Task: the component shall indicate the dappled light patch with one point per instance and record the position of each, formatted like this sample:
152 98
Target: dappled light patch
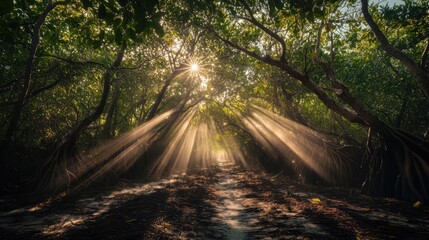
58 217
224 202
162 227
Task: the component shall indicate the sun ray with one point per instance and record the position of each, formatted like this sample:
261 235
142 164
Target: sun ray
296 142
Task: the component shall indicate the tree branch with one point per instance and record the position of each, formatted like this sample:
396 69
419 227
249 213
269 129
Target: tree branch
344 94
424 55
274 35
421 76
241 49
305 80
319 35
29 67
331 50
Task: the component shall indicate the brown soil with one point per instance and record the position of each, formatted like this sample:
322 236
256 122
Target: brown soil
223 203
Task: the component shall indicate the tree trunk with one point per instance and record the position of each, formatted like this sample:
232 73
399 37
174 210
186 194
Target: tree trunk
54 174
400 166
74 134
6 152
292 110
109 118
181 69
19 105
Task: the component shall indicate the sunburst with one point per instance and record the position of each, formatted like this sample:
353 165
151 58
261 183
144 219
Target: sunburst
195 67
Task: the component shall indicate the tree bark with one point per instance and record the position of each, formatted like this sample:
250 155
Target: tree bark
304 79
161 94
54 174
71 138
290 107
109 118
344 94
23 96
419 73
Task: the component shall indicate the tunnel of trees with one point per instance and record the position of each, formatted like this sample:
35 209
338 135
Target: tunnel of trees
328 92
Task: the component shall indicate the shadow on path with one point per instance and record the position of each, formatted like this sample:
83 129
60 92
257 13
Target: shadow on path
225 202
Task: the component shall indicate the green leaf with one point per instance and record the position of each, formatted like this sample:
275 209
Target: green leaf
295 31
417 204
156 17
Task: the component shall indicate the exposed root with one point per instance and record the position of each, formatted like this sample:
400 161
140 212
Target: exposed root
398 167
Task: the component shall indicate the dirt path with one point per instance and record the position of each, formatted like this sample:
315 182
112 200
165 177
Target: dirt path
223 203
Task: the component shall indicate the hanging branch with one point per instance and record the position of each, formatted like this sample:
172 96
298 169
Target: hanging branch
274 35
304 79
418 72
176 72
340 89
23 96
71 138
424 55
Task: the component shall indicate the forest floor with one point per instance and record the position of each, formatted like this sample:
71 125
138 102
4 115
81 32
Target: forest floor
223 203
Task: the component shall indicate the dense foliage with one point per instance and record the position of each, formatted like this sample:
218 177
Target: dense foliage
76 73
